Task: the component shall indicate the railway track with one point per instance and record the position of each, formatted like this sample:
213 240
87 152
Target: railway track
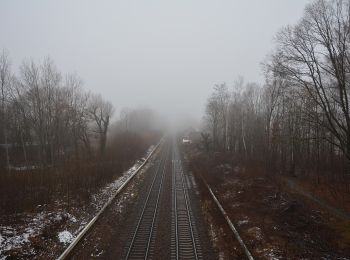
142 239
185 241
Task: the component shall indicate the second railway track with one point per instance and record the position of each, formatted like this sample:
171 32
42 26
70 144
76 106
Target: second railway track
185 241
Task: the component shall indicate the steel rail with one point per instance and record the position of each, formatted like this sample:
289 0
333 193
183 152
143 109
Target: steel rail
188 214
178 178
175 207
141 218
228 220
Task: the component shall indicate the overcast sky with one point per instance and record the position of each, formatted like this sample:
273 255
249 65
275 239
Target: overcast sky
162 54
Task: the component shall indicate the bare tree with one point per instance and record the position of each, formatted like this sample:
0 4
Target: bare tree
217 115
30 78
314 55
50 80
101 112
5 76
19 109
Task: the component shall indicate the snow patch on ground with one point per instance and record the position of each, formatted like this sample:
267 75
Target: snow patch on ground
23 168
11 239
242 222
271 256
15 237
101 197
255 232
221 256
65 237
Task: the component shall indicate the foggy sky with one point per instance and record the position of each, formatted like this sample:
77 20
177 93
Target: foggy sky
166 55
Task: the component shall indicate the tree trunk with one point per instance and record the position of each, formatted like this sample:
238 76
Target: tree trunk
7 150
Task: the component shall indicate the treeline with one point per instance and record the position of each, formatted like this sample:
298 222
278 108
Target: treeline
298 122
57 141
46 117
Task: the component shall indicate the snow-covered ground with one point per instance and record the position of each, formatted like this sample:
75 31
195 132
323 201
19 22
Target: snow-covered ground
22 235
23 168
65 237
19 236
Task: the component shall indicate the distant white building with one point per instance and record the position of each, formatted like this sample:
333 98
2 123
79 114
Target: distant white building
186 141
